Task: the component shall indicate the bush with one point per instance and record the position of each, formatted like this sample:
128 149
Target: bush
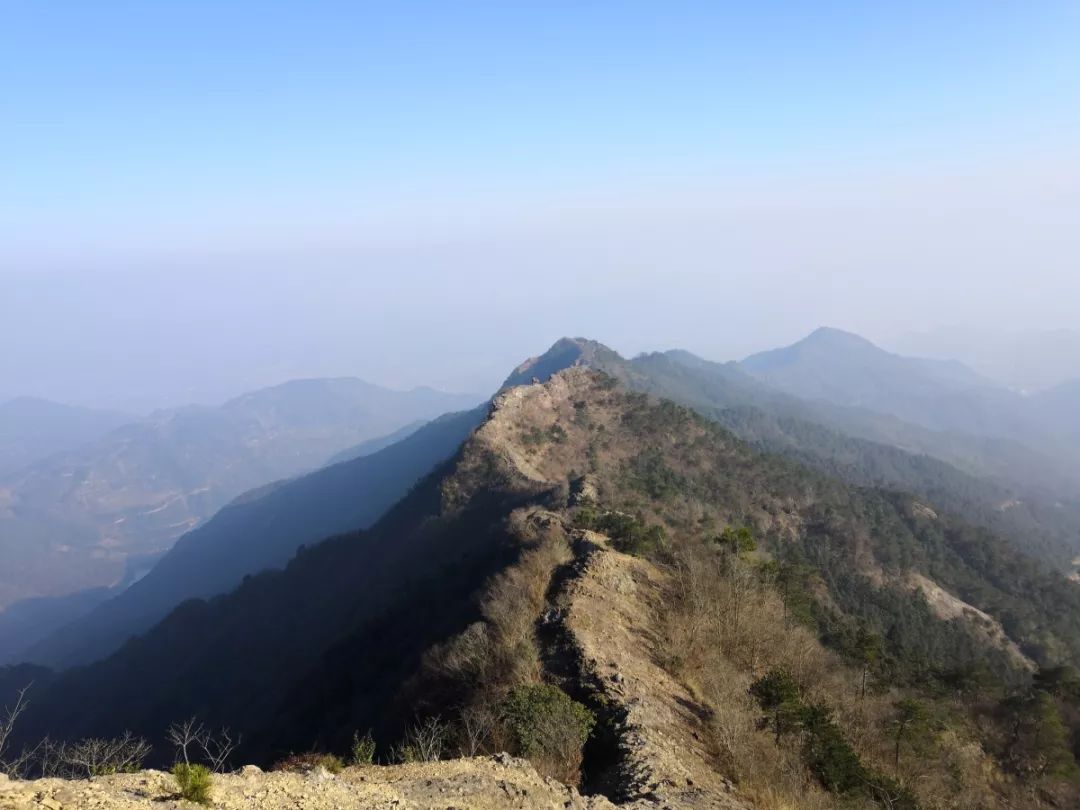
301 763
363 749
628 534
549 728
194 782
424 741
737 541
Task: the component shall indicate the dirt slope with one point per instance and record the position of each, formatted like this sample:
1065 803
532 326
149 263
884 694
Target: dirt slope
491 783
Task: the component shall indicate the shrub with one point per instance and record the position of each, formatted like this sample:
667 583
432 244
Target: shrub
737 541
549 728
194 782
424 741
301 763
363 749
628 534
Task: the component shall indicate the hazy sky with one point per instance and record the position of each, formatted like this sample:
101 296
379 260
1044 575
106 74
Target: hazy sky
202 197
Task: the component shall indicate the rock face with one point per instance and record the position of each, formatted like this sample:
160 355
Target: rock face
491 783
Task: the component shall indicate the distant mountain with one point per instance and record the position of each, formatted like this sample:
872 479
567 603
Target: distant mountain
1060 406
72 521
258 531
1026 360
992 482
366 448
32 429
846 370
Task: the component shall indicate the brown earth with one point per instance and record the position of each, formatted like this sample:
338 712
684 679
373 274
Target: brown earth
491 783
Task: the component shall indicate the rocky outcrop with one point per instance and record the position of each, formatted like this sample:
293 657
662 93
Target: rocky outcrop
493 783
607 609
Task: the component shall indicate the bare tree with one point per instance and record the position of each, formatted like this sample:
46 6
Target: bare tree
218 748
50 758
184 736
191 736
425 740
8 719
474 730
97 756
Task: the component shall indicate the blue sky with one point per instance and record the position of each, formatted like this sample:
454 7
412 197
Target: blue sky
155 157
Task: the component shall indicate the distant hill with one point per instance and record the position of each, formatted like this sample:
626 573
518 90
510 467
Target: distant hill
366 448
845 369
848 371
1026 360
73 520
260 530
32 429
1060 406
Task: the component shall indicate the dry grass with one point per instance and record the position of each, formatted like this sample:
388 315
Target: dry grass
727 626
500 652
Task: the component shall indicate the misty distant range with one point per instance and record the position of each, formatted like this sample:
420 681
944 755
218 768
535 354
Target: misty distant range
109 522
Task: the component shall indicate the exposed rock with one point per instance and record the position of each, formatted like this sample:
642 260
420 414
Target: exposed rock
950 607
491 783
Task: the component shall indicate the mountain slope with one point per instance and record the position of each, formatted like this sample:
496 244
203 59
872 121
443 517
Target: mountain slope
73 521
995 483
509 564
259 531
32 429
408 579
370 446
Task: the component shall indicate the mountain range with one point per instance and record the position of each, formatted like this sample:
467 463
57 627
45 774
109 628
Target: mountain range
845 370
95 516
32 429
585 515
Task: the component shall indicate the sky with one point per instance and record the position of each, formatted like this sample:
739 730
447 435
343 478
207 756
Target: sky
198 198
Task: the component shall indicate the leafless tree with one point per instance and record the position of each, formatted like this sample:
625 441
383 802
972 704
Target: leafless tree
474 730
184 736
96 756
191 736
218 748
11 716
426 740
50 758
8 719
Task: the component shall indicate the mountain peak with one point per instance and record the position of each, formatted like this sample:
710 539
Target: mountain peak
564 353
834 336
